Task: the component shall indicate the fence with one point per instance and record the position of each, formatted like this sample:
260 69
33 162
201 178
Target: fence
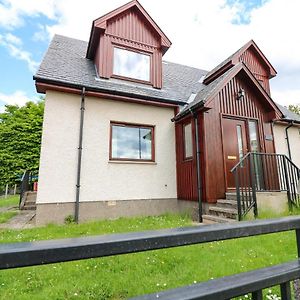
54 251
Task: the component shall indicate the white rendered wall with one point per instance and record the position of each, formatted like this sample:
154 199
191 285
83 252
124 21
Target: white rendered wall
281 143
102 180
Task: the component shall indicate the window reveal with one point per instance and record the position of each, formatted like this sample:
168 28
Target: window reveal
132 142
131 64
188 142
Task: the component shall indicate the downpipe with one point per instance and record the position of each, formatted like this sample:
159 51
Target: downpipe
77 200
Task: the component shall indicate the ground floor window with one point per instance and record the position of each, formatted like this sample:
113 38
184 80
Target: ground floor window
188 141
131 142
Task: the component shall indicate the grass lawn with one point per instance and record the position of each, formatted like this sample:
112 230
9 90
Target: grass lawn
128 275
10 201
5 216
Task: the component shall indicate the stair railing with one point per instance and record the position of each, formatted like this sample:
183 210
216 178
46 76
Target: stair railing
264 172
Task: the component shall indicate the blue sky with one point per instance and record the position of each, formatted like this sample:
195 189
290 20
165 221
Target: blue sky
216 29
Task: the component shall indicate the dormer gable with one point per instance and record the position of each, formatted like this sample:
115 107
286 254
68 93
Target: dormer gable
253 58
127 44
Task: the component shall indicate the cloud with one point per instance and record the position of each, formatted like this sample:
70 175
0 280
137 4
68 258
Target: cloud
13 12
18 97
203 33
13 44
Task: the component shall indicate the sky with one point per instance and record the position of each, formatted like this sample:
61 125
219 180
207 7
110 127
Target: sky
203 33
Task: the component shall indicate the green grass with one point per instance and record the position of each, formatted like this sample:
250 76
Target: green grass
125 276
5 216
10 201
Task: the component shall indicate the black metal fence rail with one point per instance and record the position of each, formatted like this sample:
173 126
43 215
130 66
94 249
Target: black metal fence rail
264 172
53 251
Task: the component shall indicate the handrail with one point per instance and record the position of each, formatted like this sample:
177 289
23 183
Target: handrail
16 255
240 162
258 171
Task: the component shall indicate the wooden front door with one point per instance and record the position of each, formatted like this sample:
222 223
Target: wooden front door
235 146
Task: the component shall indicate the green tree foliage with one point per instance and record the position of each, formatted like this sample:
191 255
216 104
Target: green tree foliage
295 108
20 140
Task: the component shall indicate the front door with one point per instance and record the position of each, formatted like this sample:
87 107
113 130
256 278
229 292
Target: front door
235 146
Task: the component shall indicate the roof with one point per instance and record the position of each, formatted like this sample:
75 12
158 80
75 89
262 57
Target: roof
209 90
65 64
234 59
288 115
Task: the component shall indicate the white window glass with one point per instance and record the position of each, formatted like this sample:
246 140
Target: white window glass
131 142
131 64
188 142
254 143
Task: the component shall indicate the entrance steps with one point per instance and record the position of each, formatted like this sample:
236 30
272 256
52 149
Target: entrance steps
223 211
29 201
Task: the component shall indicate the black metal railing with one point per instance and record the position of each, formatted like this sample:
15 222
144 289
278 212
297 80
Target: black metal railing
264 172
53 251
25 185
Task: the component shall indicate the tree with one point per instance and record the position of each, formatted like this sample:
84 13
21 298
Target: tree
20 140
295 108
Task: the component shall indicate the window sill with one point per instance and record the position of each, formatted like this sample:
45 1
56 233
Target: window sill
130 162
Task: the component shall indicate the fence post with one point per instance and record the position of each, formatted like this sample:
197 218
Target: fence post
15 189
6 191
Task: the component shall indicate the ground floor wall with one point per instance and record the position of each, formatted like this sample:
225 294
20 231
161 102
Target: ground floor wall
294 139
97 210
102 179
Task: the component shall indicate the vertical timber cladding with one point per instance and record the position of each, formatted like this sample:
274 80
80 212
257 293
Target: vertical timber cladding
187 168
225 104
129 30
257 67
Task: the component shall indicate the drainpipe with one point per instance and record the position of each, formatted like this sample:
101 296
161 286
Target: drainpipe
82 108
288 140
199 194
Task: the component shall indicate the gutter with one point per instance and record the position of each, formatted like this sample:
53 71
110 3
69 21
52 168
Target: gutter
77 200
287 138
108 92
198 165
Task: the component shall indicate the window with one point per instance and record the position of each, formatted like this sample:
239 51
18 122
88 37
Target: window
131 64
188 142
132 142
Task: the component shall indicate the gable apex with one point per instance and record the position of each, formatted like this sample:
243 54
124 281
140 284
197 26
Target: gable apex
237 57
100 25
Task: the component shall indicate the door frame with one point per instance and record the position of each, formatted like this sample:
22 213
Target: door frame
246 120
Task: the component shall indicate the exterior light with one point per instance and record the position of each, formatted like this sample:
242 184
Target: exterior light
241 94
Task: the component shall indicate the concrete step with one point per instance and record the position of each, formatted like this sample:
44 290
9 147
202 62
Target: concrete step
223 212
227 203
231 196
29 207
210 219
31 198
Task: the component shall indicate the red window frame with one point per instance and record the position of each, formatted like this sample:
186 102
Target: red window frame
134 125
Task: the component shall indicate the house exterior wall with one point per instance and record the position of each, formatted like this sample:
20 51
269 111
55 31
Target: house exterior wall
281 143
101 179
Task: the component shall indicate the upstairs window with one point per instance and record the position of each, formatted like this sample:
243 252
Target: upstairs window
131 64
132 142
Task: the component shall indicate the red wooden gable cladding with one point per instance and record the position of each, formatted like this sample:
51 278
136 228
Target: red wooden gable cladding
258 68
132 28
224 104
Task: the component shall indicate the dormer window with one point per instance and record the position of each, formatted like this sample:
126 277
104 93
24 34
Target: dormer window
131 64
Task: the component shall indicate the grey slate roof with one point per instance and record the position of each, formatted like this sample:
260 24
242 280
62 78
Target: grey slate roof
65 62
288 115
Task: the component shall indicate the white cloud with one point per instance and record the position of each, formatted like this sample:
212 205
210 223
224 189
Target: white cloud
203 33
18 97
14 46
12 12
